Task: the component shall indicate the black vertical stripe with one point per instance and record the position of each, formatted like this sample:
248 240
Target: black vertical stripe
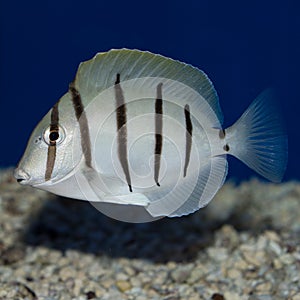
188 137
54 117
54 130
122 130
83 124
158 132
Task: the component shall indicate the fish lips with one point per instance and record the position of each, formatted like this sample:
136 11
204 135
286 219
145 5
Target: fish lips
24 178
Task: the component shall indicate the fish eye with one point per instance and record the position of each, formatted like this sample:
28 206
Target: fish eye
57 135
54 136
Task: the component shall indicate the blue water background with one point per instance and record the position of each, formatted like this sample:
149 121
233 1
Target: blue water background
243 46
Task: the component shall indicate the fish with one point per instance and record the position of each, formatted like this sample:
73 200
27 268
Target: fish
140 136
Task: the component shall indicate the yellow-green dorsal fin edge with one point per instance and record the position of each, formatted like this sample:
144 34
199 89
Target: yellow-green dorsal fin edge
99 73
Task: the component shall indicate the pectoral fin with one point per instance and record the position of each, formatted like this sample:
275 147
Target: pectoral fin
130 199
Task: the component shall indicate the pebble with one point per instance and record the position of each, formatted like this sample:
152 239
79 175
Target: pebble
253 257
263 288
12 254
234 274
58 249
275 248
296 296
218 254
67 272
217 296
227 237
232 296
123 285
287 259
181 273
197 274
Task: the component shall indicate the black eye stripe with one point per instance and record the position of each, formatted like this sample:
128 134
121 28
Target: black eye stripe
51 156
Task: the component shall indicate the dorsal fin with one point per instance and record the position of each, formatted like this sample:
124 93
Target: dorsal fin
99 73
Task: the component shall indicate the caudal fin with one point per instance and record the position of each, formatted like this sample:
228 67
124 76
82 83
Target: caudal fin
258 138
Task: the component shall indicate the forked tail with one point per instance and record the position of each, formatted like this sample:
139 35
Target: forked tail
258 138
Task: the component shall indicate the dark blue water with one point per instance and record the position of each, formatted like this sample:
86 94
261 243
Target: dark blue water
244 47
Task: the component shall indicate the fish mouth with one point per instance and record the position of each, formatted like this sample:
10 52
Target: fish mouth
22 176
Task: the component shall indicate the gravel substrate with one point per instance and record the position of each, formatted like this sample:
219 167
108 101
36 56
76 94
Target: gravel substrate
244 245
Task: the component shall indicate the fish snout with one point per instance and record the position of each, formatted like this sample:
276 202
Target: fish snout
21 176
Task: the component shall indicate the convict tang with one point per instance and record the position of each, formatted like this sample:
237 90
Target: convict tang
140 136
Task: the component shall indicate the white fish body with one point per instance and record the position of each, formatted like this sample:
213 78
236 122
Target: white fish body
143 133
